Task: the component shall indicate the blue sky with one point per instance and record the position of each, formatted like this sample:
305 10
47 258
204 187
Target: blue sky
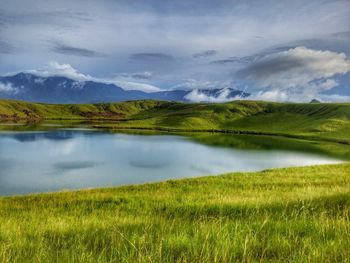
275 49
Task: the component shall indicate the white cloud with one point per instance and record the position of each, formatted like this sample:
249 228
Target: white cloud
296 67
327 84
271 95
129 85
145 75
63 70
334 98
66 70
178 28
191 84
296 74
199 96
142 75
8 88
287 95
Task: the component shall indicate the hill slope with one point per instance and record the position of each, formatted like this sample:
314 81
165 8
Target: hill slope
325 120
282 215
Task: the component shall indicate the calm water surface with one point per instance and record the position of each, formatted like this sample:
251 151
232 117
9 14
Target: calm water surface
70 159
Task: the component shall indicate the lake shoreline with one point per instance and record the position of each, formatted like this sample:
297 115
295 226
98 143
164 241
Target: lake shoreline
225 131
151 183
323 121
180 130
83 158
297 213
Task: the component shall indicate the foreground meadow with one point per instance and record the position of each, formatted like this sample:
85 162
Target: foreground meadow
288 215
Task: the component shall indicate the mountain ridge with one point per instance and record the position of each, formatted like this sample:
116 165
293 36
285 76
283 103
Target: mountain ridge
63 90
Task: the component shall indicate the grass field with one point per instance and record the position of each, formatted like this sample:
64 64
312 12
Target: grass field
282 215
326 121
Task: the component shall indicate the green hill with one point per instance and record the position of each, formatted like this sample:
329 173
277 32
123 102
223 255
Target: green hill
323 120
292 214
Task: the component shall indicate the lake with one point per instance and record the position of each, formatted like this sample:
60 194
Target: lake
42 161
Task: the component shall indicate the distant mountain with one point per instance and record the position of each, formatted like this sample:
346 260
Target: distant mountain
56 89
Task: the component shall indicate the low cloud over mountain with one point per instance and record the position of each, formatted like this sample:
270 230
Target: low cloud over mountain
85 89
296 74
272 49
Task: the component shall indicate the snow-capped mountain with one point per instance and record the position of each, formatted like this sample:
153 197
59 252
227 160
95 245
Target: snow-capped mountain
56 89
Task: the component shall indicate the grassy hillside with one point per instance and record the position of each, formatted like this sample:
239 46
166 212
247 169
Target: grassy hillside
327 121
282 215
12 110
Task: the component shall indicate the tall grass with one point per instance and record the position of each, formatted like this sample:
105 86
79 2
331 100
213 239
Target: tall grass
282 215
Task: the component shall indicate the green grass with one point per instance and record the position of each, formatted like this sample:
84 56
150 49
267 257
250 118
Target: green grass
282 215
326 121
10 109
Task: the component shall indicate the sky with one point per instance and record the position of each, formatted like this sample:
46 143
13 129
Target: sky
274 49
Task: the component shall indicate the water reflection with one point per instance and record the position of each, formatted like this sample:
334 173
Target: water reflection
74 165
61 159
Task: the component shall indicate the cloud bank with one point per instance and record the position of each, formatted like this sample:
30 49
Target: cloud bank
66 70
206 41
7 88
74 51
151 57
198 96
204 54
296 74
215 96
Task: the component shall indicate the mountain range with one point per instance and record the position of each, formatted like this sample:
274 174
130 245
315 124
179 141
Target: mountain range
59 89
